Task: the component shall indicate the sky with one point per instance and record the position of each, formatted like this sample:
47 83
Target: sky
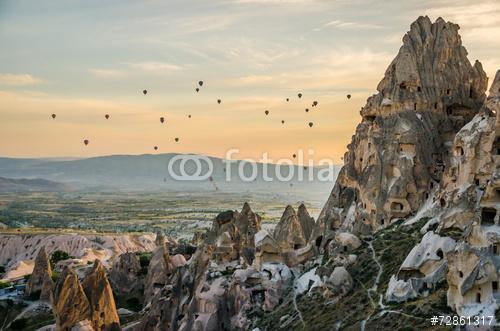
82 59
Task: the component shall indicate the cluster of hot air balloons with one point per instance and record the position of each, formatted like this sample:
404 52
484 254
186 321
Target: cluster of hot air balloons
219 101
200 84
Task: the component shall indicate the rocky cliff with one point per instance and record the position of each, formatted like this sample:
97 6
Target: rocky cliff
40 283
402 146
411 228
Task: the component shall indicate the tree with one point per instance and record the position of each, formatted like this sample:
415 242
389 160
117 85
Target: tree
59 256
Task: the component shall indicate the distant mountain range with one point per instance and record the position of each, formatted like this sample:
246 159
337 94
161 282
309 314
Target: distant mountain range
149 173
27 185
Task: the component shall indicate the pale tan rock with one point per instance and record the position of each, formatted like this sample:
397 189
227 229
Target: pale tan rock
401 147
40 283
69 302
470 278
288 232
103 314
267 249
84 325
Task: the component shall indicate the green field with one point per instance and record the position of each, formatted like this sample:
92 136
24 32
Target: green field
176 214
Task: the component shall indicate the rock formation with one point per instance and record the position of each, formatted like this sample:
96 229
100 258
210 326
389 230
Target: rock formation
69 302
267 249
89 305
401 147
465 203
40 283
233 235
161 267
96 286
288 232
125 276
306 221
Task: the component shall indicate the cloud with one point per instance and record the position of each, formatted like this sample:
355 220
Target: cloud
480 22
276 2
106 73
18 79
348 25
255 79
155 66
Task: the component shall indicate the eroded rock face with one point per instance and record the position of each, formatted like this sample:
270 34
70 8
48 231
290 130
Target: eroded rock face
472 187
288 232
466 205
233 235
69 302
423 268
402 145
174 306
267 249
40 283
307 223
125 276
161 267
103 314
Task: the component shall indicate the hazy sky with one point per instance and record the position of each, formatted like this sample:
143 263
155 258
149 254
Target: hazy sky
83 59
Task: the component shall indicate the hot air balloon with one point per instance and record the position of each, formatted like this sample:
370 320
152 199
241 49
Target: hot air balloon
299 95
307 110
315 103
53 115
162 119
282 122
86 142
176 139
267 112
106 116
348 96
294 156
287 99
156 148
189 116
145 92
197 90
219 101
310 124
200 83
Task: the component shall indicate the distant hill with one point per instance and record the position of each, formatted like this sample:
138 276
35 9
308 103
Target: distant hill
149 173
30 185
